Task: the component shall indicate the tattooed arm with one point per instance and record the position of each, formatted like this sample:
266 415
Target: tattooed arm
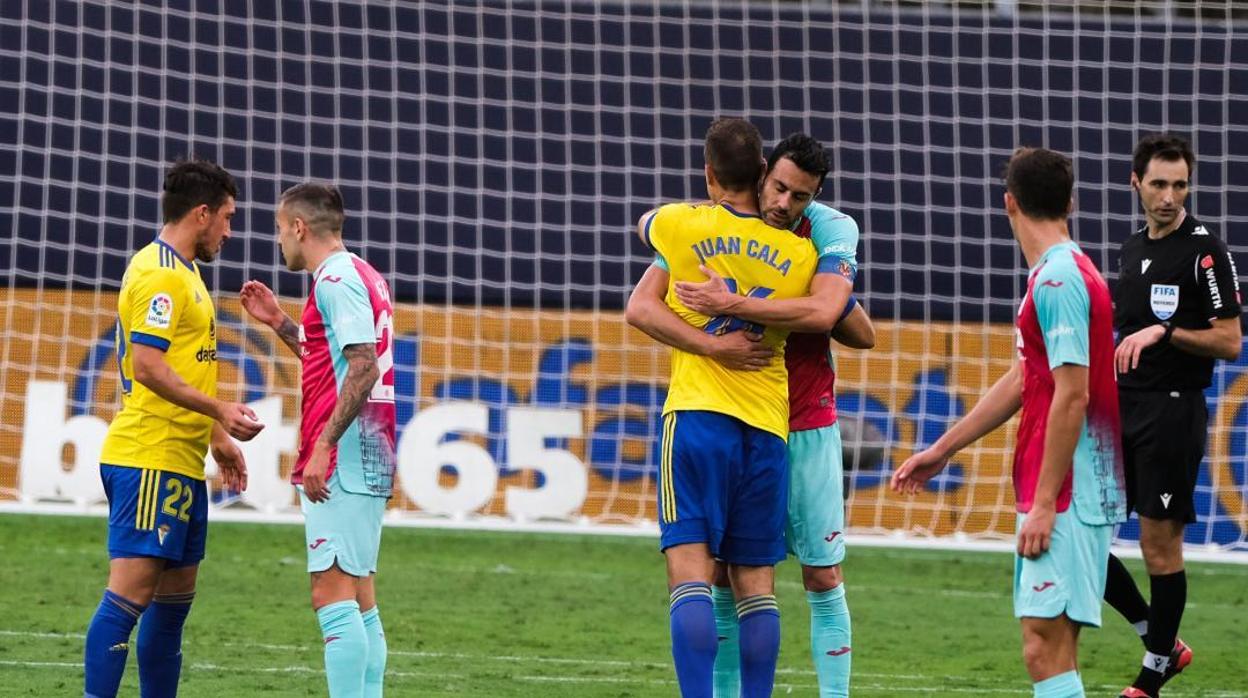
362 374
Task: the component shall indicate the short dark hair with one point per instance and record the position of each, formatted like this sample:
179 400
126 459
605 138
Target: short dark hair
805 152
734 150
319 204
1161 145
193 182
1041 181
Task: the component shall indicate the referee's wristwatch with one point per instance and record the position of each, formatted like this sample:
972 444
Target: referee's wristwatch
1165 338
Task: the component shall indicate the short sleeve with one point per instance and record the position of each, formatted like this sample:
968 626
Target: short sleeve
1063 310
346 309
1218 281
157 299
661 228
835 237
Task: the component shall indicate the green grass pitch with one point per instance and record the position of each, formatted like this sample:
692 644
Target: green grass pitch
510 614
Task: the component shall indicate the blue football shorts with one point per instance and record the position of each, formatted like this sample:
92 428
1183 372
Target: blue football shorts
724 483
155 513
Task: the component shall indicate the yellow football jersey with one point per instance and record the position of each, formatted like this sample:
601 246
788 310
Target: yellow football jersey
164 304
755 260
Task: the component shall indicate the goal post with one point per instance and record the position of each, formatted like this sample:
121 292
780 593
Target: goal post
494 158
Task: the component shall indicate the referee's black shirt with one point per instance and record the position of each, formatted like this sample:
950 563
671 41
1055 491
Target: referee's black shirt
1188 278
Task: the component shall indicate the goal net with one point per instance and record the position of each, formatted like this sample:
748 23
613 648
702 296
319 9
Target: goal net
494 157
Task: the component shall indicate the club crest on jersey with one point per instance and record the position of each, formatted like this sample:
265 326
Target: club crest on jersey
1164 300
160 311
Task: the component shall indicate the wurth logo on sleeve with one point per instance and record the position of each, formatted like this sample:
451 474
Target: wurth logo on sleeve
1215 293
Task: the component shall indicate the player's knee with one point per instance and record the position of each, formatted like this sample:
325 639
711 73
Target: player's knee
333 585
1036 654
819 579
1163 554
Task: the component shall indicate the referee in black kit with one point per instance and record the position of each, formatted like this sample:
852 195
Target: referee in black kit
1176 309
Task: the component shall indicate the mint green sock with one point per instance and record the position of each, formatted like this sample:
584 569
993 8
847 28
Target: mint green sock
1067 685
830 640
375 664
346 648
728 658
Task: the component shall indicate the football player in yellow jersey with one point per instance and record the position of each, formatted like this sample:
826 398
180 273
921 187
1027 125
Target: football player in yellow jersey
724 474
152 461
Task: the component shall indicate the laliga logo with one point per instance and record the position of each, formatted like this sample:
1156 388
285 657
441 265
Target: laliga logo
161 305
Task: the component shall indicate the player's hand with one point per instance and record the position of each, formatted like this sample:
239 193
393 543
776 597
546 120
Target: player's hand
239 421
1127 355
314 480
917 470
1036 532
741 351
230 461
711 297
260 303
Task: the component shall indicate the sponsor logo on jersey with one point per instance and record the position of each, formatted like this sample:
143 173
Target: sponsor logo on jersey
1165 500
1060 331
317 543
1042 587
832 536
1144 265
198 299
1051 283
1206 261
1215 293
1164 300
331 279
161 533
160 311
206 355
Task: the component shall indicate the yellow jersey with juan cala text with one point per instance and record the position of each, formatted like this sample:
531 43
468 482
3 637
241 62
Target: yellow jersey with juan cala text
755 260
163 304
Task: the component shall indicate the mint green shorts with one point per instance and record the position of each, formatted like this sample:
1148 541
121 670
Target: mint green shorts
345 530
1069 577
816 522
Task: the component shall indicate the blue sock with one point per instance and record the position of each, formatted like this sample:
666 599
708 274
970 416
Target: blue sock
728 658
1067 685
830 640
159 646
108 644
346 648
759 618
693 639
375 663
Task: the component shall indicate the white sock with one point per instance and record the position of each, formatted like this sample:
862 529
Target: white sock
1156 662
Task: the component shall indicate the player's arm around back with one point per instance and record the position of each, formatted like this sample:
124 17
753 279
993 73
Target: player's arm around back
648 312
855 330
818 311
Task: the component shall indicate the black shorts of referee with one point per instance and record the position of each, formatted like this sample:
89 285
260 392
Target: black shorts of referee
1163 438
